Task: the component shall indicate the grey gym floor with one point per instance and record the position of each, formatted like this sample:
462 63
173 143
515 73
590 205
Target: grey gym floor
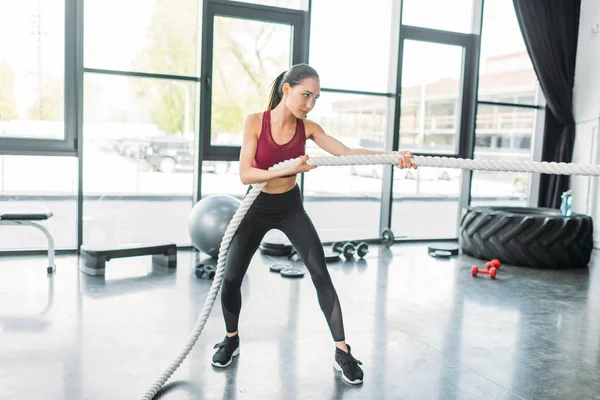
423 328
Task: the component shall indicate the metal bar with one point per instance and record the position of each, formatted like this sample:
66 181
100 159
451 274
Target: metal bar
358 92
306 30
256 12
78 23
477 17
51 251
397 240
537 144
38 252
503 104
468 120
35 151
251 10
306 49
205 94
393 118
435 36
298 46
70 73
29 146
468 128
221 153
197 153
141 74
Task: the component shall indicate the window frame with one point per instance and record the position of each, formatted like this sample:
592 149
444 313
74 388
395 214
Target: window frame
468 98
298 19
69 144
238 10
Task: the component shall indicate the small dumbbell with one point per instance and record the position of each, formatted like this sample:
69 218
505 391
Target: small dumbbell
347 249
337 247
362 249
491 271
204 271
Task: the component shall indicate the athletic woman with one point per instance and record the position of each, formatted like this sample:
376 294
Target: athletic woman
276 135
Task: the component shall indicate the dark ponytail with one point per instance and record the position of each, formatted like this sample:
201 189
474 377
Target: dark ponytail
276 91
293 76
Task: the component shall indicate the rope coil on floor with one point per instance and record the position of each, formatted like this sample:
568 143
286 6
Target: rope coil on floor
378 159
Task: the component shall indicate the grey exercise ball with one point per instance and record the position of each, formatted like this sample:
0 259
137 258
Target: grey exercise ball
209 220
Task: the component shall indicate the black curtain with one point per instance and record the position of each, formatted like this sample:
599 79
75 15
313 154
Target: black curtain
550 29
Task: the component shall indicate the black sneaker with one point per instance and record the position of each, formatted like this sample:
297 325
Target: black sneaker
348 366
228 348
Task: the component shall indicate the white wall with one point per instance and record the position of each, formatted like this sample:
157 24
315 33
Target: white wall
586 107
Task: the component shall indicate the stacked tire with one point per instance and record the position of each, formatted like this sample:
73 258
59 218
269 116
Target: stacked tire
529 237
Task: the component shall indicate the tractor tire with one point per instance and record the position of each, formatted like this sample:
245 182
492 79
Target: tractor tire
527 237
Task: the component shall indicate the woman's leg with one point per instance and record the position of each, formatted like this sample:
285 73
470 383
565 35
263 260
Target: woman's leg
242 248
304 237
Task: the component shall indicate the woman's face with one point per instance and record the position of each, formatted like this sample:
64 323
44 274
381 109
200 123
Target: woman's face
301 99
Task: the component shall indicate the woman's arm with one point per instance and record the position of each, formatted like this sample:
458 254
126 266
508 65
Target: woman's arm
250 175
337 148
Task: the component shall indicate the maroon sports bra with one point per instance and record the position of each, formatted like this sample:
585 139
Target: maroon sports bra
269 153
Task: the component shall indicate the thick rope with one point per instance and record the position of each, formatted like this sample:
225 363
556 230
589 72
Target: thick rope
379 159
462 163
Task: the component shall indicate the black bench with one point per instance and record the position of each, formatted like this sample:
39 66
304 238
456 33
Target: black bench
28 218
94 259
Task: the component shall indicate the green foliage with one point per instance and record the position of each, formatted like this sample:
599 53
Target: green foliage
8 109
170 49
49 105
242 67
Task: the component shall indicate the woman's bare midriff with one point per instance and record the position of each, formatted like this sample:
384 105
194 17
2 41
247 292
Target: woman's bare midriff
280 185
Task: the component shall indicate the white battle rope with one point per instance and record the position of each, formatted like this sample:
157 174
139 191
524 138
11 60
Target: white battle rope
379 159
461 163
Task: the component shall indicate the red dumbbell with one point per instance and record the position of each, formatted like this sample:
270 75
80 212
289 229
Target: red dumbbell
490 269
495 263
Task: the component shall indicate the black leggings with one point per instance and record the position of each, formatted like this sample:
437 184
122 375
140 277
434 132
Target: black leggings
285 212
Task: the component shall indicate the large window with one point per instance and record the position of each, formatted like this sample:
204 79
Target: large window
345 202
138 159
505 71
507 112
431 96
430 122
426 204
32 53
503 133
139 132
247 57
350 45
222 178
455 15
149 104
153 36
35 183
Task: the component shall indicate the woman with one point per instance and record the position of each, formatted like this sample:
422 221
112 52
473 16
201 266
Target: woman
279 134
